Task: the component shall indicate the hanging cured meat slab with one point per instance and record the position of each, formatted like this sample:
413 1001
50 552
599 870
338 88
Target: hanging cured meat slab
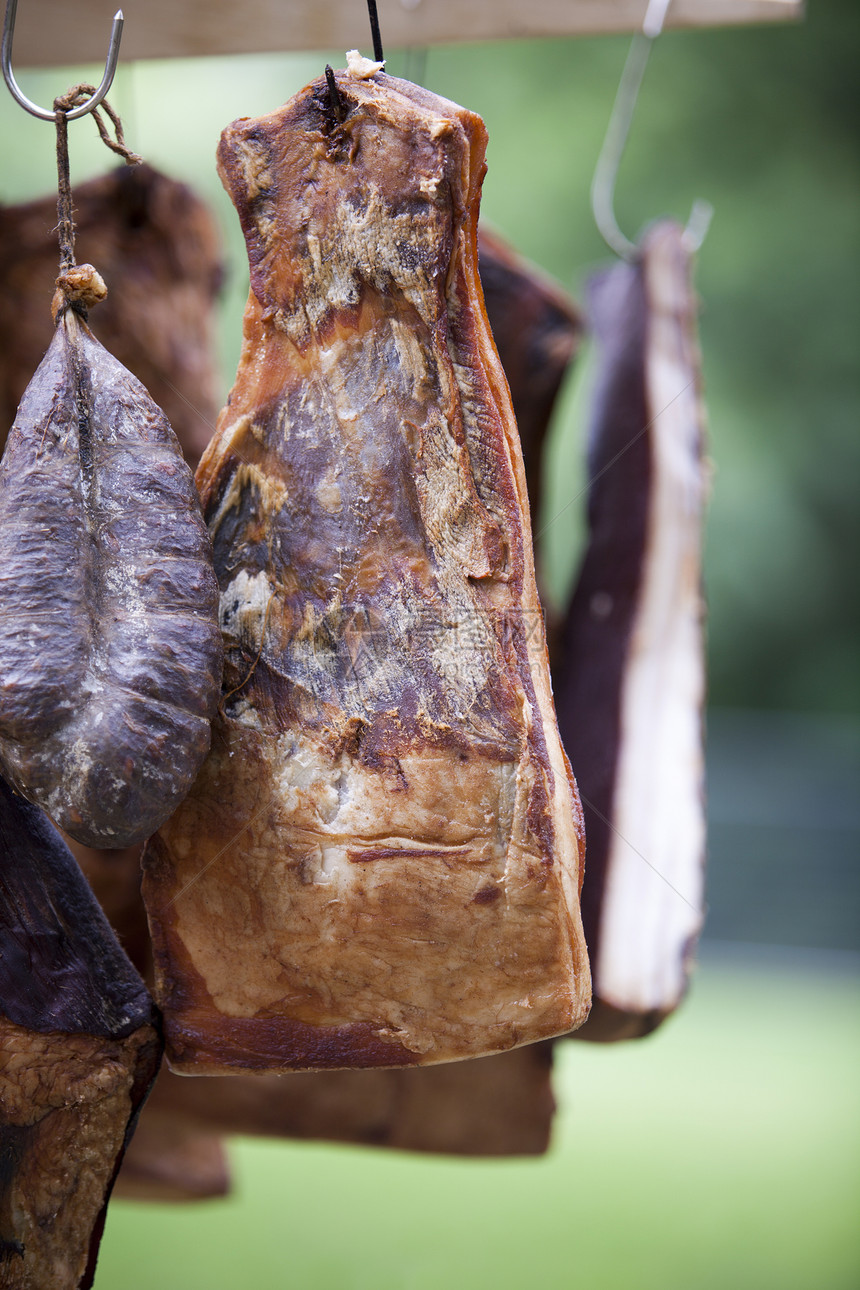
631 677
379 863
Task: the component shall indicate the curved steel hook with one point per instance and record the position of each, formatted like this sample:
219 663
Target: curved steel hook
606 170
48 114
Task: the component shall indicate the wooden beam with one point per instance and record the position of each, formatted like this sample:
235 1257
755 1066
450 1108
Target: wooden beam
64 32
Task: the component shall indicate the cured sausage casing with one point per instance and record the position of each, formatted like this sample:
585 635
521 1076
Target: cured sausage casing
110 654
379 863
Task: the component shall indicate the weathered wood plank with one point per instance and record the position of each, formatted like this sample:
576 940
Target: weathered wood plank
53 32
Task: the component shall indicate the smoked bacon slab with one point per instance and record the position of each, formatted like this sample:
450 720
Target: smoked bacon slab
379 863
631 677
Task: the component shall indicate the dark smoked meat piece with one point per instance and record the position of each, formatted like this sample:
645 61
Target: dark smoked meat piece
156 244
79 1050
537 329
110 653
631 683
379 863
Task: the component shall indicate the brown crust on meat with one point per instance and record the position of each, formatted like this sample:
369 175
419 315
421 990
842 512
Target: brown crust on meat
79 1051
68 1104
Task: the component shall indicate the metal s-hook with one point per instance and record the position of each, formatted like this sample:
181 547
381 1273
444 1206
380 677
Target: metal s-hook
606 170
49 114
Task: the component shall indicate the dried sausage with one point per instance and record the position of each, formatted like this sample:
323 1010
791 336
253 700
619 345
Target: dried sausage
110 654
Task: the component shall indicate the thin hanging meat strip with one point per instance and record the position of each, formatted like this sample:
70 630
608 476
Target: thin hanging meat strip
110 653
379 863
79 1049
632 680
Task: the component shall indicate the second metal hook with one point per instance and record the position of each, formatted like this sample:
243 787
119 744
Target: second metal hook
49 114
606 171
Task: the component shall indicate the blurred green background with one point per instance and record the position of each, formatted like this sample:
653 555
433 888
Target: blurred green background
724 1150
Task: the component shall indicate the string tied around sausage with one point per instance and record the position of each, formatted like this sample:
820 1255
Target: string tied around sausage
80 286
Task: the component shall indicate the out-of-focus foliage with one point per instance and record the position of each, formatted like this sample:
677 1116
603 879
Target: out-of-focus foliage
762 122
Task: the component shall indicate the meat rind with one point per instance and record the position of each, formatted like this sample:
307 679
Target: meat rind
379 862
631 688
110 653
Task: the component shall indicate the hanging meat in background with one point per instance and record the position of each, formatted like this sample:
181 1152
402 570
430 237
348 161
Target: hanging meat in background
114 876
156 244
630 685
379 863
110 651
167 1161
79 1050
490 1107
537 329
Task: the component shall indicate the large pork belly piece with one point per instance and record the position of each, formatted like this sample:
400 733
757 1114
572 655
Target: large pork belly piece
380 862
